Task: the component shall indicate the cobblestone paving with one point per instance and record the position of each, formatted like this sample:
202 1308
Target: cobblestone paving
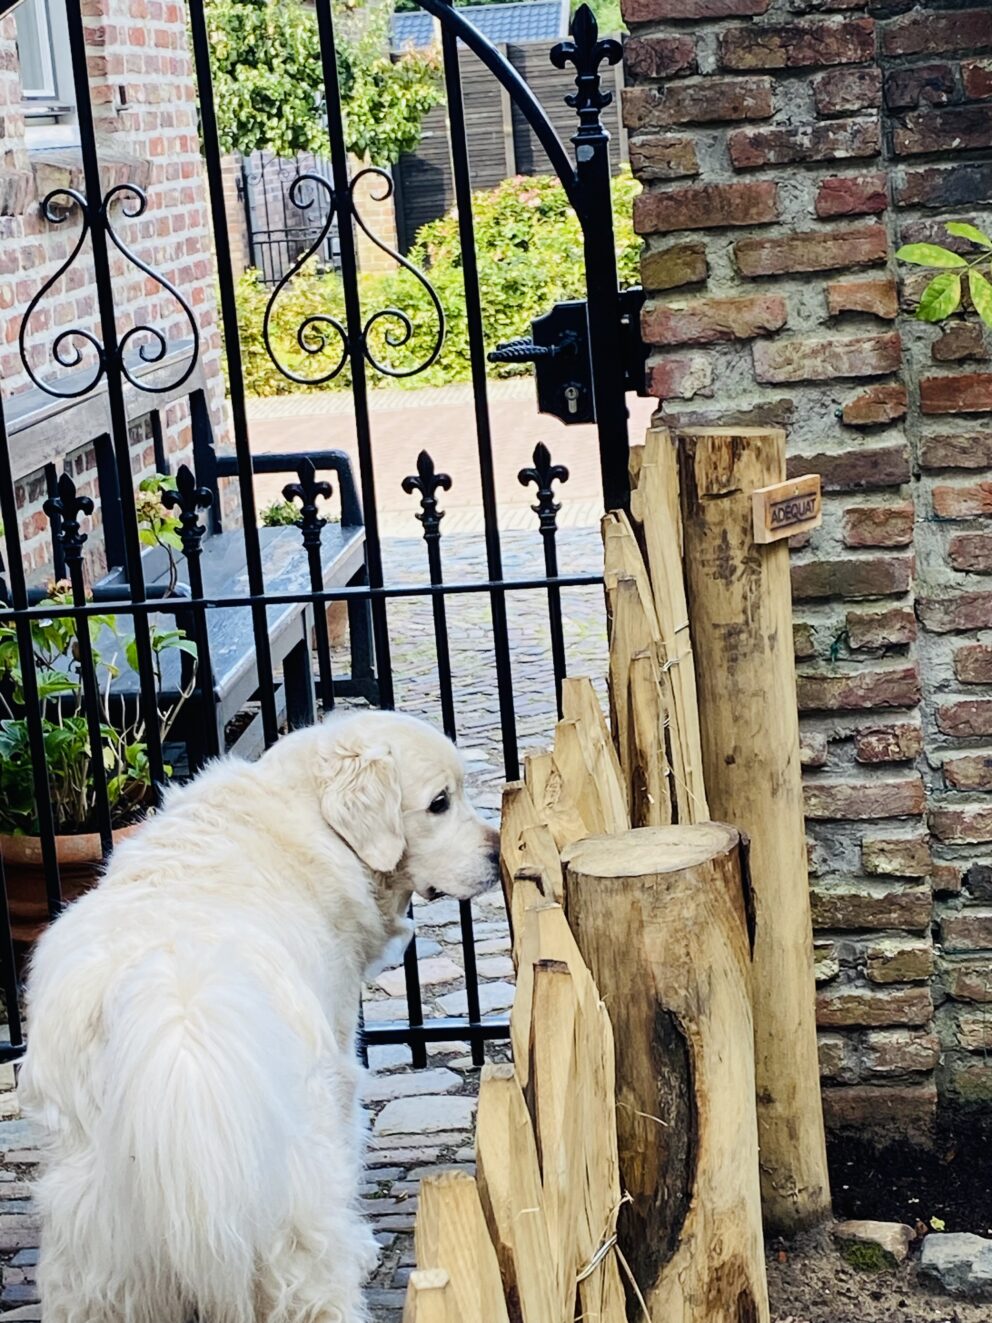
420 1121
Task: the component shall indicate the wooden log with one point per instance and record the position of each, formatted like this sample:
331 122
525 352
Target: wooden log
509 1181
552 799
581 705
740 609
517 812
428 1297
659 916
661 533
556 1109
451 1235
539 855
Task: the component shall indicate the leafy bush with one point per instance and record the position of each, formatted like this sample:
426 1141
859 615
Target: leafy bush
529 256
943 295
269 85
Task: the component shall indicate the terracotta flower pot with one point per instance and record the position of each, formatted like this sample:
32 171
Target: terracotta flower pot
80 865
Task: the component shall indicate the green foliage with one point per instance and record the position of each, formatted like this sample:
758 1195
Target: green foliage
269 87
529 249
279 514
64 728
944 293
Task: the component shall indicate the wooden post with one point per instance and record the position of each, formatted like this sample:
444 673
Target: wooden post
428 1297
659 917
451 1235
741 618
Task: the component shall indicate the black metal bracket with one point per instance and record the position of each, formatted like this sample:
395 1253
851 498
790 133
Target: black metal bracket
558 346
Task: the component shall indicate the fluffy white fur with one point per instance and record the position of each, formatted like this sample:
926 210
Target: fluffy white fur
191 1059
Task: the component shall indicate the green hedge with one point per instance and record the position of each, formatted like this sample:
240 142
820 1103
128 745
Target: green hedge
529 250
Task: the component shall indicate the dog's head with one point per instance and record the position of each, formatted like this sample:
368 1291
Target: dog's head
394 789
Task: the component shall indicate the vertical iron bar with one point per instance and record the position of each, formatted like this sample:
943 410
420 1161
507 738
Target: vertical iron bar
235 368
311 524
554 614
51 487
477 353
115 386
356 342
8 966
32 703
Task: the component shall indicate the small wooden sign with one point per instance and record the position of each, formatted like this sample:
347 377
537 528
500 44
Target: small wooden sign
787 508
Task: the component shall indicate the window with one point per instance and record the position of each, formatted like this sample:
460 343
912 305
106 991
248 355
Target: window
45 65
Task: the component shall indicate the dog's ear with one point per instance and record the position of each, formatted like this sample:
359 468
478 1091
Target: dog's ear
360 799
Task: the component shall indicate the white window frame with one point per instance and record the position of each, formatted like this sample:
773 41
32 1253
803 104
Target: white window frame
55 101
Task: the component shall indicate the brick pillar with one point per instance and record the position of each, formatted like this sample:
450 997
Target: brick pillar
379 214
237 219
785 153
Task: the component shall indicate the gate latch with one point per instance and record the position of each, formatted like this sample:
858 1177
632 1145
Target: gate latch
558 346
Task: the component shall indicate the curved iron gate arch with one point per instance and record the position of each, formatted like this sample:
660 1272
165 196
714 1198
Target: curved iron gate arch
605 323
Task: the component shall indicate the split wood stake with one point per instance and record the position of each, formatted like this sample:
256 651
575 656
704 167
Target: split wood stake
428 1297
741 616
451 1235
659 916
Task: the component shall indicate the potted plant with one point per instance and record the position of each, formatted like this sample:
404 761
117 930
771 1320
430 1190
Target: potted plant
65 735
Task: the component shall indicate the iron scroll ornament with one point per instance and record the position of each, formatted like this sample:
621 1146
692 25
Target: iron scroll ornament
311 335
66 349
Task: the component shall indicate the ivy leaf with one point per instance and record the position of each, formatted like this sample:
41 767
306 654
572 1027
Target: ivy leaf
961 230
929 254
981 295
940 298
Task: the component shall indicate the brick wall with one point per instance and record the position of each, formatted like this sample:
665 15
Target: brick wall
144 99
787 147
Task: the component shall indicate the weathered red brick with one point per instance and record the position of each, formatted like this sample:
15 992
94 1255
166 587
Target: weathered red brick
816 250
977 78
706 321
930 84
658 156
926 33
844 91
964 824
968 718
672 267
812 749
710 101
860 801
878 404
956 129
644 11
971 772
862 469
967 979
957 342
948 613
966 930
882 1111
861 576
859 689
879 525
827 359
798 45
971 553
660 57
967 392
703 206
900 1051
849 139
878 297
951 186
896 856
973 663
900 742
881 629
861 906
852 195
946 879
970 451
762 413
957 502
848 1006
679 376
803 640
902 959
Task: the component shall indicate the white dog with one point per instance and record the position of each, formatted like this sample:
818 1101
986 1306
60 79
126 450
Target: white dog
192 1021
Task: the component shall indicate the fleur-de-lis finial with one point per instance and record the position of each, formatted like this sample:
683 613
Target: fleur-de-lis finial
542 475
308 491
189 500
586 51
64 509
428 482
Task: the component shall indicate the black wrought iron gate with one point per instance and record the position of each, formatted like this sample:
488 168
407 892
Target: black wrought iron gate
587 356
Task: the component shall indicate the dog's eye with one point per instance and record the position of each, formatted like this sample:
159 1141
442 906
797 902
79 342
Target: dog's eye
440 803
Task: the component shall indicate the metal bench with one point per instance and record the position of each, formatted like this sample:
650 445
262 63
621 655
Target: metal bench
44 431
